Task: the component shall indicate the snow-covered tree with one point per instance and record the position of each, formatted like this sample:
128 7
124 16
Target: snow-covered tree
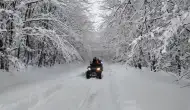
148 31
42 32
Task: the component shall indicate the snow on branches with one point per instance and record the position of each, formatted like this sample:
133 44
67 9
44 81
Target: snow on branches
149 30
41 32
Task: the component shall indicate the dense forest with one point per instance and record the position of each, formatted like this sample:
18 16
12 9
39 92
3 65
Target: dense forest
150 33
42 32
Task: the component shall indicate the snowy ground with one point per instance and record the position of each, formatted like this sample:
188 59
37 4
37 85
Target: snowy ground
65 88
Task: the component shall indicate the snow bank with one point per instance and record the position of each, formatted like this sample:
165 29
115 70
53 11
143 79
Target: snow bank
146 90
33 75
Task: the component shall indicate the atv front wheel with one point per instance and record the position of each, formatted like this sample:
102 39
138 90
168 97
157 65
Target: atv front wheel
87 76
100 76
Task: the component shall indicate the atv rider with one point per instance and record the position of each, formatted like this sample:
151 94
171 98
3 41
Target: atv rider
96 62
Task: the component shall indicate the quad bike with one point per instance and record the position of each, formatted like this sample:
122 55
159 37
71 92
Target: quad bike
94 71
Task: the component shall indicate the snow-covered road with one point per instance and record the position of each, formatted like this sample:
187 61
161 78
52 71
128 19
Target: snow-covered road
120 89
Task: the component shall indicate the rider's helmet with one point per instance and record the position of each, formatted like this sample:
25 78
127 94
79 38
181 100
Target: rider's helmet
94 59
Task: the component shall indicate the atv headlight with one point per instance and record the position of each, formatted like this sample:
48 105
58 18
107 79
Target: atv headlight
98 69
89 68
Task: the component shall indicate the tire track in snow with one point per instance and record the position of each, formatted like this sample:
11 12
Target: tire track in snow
46 96
94 100
84 101
101 94
123 100
88 100
52 92
35 99
115 99
92 93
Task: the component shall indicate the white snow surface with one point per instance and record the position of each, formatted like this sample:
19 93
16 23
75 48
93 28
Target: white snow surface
66 88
